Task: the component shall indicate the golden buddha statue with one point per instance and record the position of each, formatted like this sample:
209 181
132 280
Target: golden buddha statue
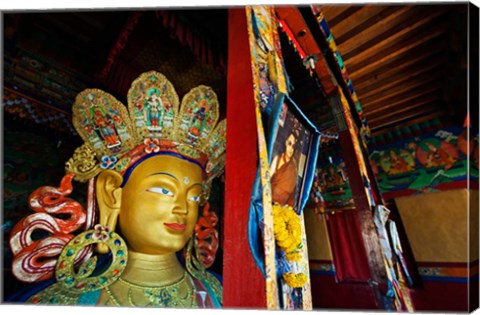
150 182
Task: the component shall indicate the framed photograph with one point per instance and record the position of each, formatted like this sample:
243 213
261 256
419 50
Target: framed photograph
291 148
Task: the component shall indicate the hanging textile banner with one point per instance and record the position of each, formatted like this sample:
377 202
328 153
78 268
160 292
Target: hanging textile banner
264 94
398 291
286 270
293 143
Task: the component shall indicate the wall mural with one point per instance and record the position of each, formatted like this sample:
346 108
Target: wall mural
431 162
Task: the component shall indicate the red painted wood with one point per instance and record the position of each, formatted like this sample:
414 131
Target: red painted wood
327 294
243 283
296 23
365 216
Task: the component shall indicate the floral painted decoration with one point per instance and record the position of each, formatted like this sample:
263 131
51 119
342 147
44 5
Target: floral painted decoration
151 145
108 162
101 233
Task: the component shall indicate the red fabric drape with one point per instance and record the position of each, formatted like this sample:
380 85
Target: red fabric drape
349 255
120 44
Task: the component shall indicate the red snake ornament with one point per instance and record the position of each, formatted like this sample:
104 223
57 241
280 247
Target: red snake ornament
207 236
35 260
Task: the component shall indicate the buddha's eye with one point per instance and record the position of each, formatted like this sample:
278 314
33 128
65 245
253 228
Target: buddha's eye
161 190
195 198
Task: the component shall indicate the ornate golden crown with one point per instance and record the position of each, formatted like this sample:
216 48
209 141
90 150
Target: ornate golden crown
116 138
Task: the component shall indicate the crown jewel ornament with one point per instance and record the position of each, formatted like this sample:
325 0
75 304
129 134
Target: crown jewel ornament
153 123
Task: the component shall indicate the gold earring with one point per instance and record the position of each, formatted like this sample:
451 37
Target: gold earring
81 280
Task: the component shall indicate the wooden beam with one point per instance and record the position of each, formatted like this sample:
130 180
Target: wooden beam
406 116
357 22
295 21
406 71
384 129
35 101
403 86
402 108
397 44
332 11
427 54
399 34
344 14
379 24
420 97
416 18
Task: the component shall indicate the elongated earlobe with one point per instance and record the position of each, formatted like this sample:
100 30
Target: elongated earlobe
109 199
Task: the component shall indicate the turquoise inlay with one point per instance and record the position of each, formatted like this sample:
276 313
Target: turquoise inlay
89 298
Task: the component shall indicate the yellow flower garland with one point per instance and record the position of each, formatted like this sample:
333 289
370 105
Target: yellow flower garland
293 256
288 234
295 280
287 228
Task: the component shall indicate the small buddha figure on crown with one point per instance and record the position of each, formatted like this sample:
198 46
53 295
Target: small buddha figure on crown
148 191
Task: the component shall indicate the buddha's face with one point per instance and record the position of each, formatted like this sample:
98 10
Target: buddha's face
159 206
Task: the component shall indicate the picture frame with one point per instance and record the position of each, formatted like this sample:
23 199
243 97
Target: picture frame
293 149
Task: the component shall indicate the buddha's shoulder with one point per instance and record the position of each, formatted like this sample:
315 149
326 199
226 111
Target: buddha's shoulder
58 294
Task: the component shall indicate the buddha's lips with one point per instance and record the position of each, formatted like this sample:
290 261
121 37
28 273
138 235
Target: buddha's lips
176 226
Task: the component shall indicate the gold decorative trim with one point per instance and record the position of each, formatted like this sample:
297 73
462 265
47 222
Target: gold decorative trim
83 164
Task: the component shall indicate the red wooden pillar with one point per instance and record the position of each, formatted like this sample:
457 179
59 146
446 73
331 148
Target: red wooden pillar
378 277
243 283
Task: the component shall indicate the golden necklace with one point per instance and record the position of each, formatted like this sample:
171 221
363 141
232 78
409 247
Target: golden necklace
164 296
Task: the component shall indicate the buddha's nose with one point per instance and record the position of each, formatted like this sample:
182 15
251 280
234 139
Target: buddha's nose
180 205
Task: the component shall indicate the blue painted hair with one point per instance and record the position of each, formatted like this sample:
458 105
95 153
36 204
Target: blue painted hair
130 169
